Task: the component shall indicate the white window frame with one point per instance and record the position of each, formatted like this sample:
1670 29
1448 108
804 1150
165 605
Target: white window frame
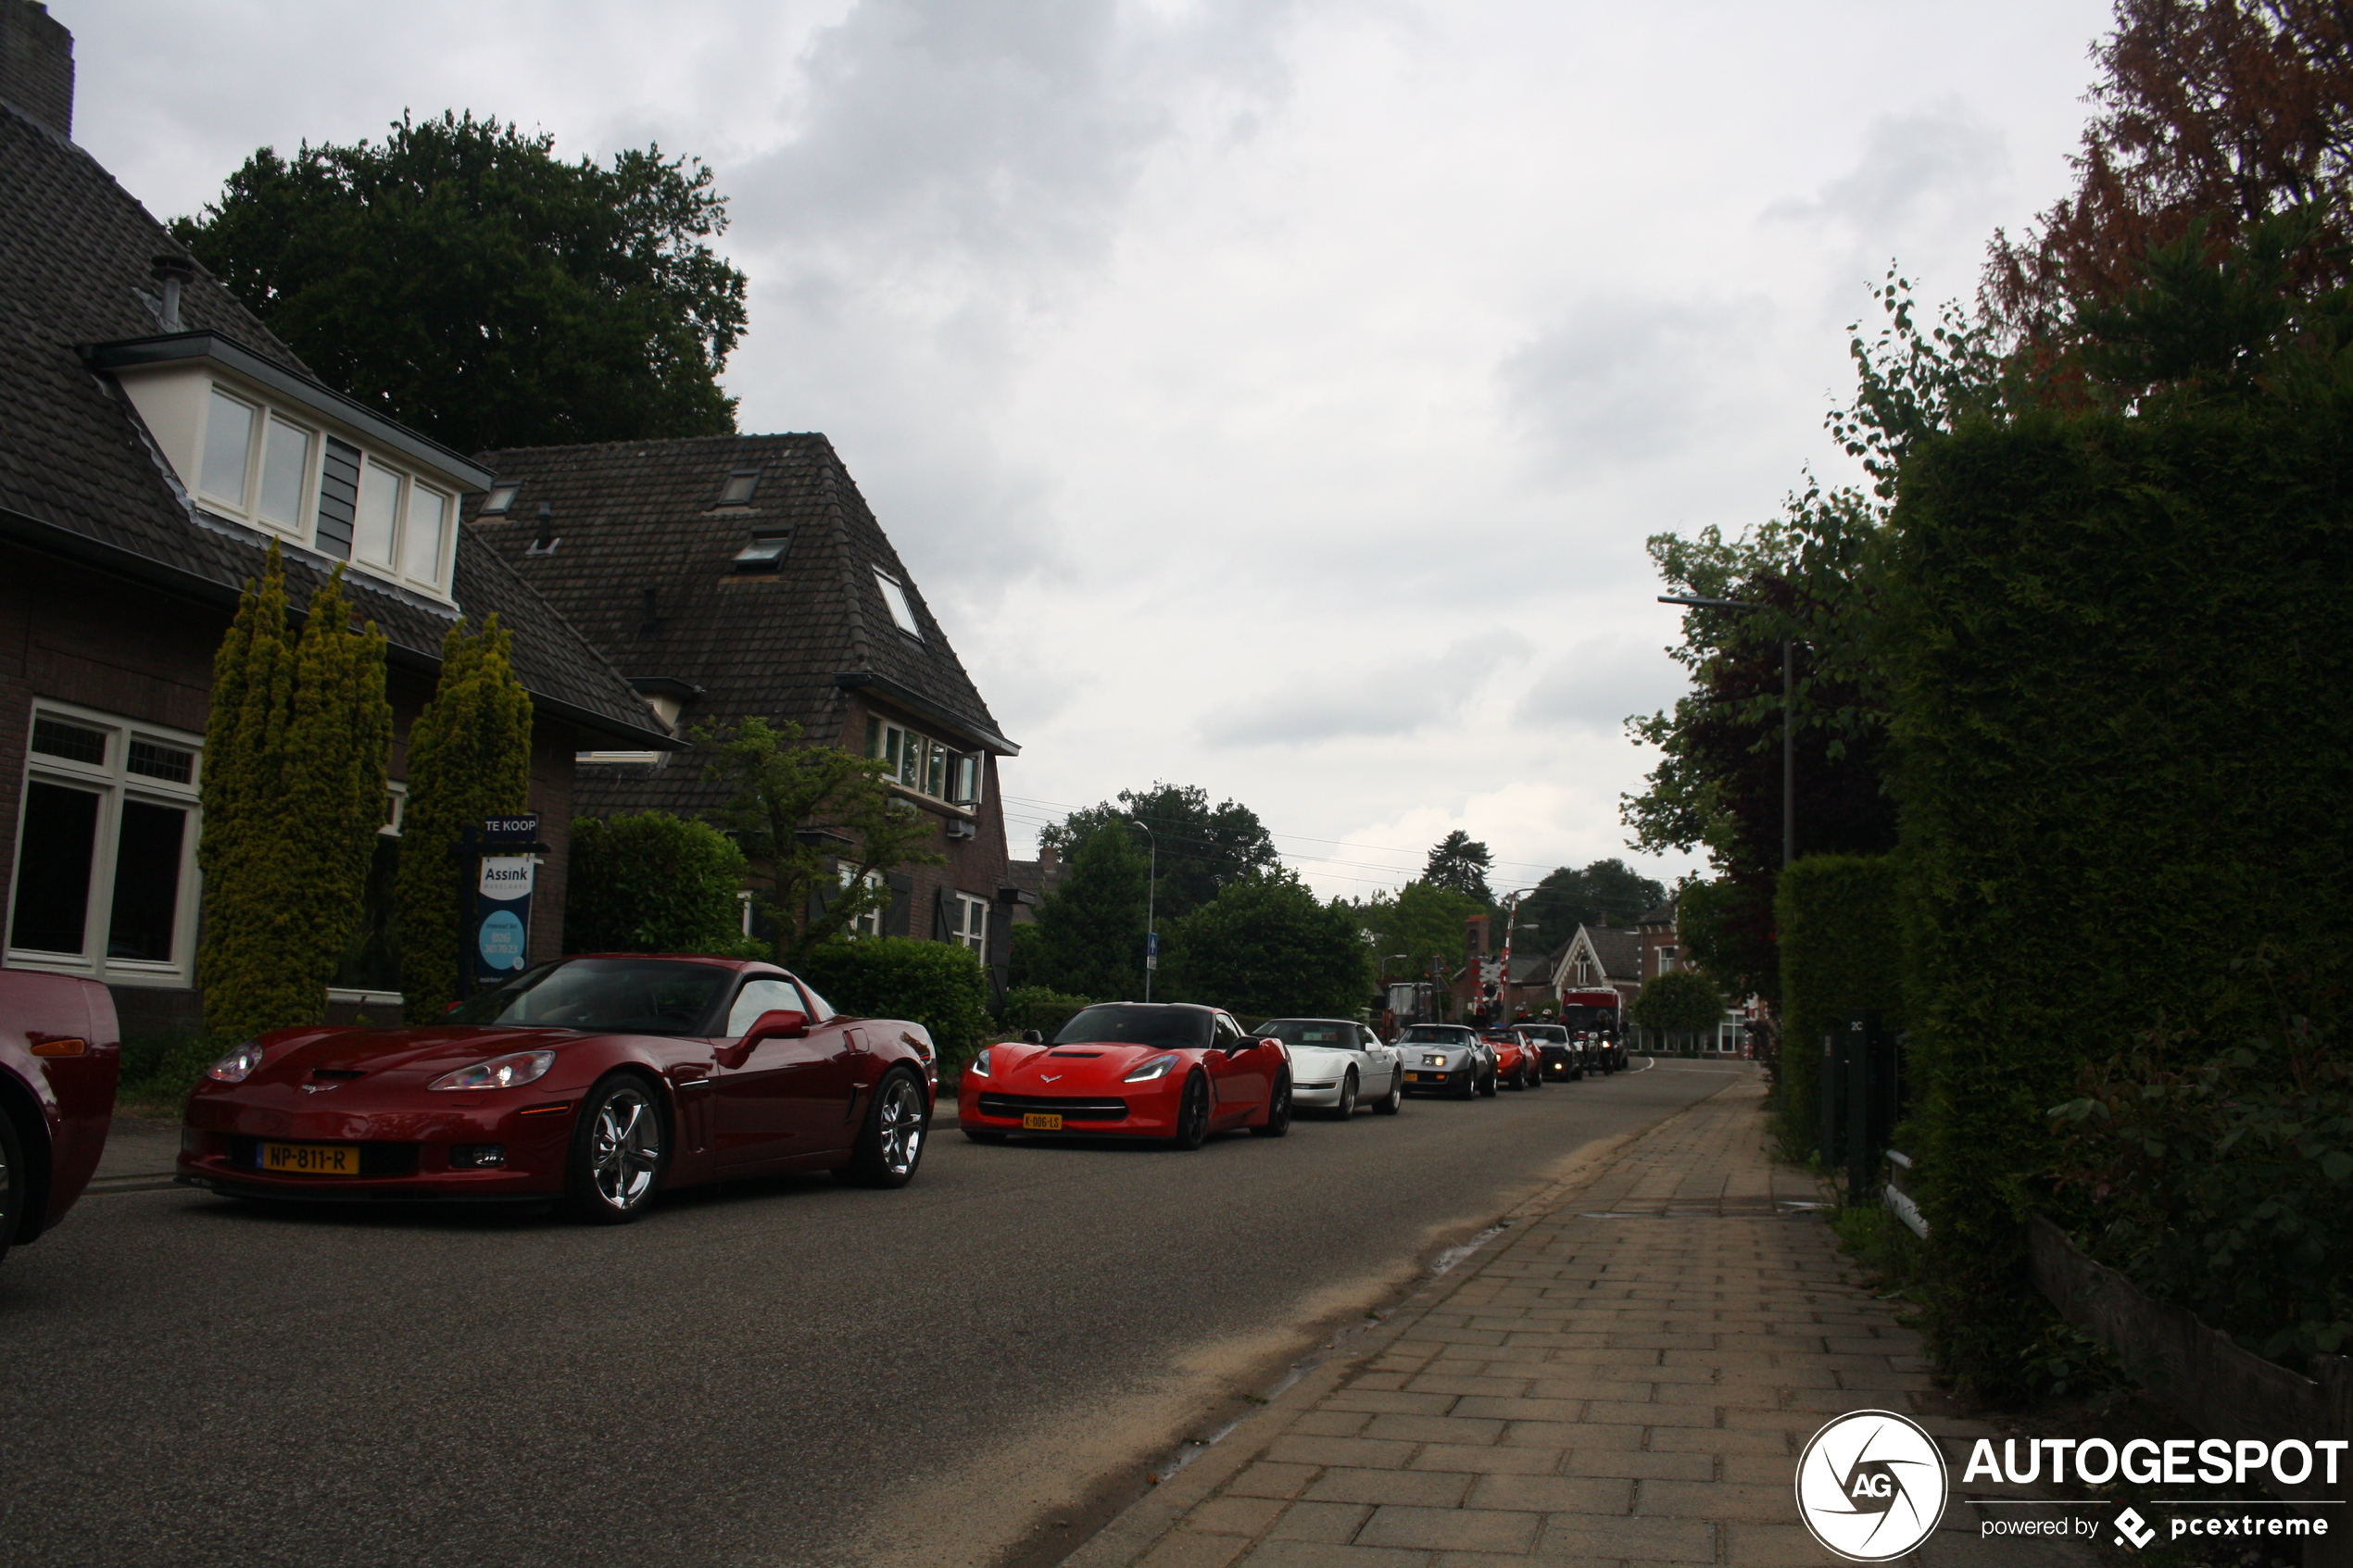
916 752
114 784
395 809
895 600
970 910
304 530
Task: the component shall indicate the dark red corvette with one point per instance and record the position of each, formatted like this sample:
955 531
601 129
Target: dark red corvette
59 1056
601 1080
1153 1069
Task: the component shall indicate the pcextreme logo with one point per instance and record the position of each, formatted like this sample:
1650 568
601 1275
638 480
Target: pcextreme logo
1871 1486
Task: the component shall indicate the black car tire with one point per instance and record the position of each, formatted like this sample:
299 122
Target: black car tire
629 1101
1192 1113
1470 1084
1346 1110
1278 1121
1393 1102
15 1181
1536 1076
886 1156
1487 1085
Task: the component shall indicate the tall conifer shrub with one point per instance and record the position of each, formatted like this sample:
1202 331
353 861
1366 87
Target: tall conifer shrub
293 790
469 759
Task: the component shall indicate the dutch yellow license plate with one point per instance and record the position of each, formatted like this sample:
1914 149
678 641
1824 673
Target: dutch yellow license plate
1412 1077
1040 1121
311 1158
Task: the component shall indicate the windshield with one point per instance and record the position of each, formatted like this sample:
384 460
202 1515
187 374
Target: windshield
1545 1032
1589 1018
1437 1035
603 996
1137 1023
1311 1032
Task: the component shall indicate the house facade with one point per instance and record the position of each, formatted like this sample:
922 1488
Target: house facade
740 576
155 440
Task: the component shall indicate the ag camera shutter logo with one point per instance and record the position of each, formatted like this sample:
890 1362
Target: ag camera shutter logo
1871 1486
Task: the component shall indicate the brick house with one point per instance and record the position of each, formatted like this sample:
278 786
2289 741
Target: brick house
734 576
157 439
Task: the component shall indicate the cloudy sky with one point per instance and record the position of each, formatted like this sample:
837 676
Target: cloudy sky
1267 394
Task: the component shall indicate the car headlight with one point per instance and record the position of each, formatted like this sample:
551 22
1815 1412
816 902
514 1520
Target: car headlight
978 1066
235 1067
1156 1068
499 1073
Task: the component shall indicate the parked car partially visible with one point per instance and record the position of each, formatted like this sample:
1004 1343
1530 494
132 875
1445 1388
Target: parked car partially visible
60 1054
1337 1065
1447 1059
1515 1061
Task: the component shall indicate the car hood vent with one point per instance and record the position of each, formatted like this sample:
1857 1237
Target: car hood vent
337 1073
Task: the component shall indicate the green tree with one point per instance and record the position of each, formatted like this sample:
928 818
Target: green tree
460 278
1461 862
469 759
1605 892
1681 1001
654 883
1267 947
1203 850
1089 937
787 789
295 748
1420 926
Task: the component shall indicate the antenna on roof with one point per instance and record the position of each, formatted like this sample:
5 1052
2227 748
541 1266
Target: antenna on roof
547 528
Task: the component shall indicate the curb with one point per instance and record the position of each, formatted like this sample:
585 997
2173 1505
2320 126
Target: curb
1143 1525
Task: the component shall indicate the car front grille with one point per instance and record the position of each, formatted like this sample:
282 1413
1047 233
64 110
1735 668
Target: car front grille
1070 1108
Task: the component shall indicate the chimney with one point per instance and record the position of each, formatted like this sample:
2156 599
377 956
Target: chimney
36 64
170 273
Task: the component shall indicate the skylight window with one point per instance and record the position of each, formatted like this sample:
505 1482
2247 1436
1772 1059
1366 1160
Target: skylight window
737 491
896 597
765 553
502 498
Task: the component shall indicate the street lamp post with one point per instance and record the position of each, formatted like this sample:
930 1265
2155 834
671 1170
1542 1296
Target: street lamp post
1789 750
1152 888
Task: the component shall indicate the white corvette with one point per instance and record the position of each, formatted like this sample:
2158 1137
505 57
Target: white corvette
1335 1066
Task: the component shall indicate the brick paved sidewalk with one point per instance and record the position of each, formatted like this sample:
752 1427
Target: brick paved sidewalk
1627 1375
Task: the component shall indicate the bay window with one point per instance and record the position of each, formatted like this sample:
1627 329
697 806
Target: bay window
925 766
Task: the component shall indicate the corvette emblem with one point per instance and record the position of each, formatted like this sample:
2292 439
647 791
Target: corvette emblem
1048 1077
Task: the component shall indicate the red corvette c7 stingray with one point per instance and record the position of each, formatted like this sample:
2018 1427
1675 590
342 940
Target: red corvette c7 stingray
601 1079
1153 1070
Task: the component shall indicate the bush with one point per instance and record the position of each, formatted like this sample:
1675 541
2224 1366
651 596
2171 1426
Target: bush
1837 916
1681 1001
2117 651
937 984
1268 948
159 1068
1035 1007
655 883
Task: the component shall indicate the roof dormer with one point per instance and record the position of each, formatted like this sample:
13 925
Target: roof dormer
259 445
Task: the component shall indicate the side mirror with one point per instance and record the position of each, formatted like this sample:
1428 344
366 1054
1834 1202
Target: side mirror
1032 1037
778 1023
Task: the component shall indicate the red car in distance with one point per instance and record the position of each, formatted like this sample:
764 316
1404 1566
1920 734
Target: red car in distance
600 1080
1169 1070
1519 1059
60 1052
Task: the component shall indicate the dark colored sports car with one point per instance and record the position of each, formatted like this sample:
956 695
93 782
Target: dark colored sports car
1154 1070
59 1056
600 1080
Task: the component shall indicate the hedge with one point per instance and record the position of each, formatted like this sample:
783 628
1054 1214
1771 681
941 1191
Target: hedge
2118 652
1035 1007
1681 1001
937 984
1840 951
655 883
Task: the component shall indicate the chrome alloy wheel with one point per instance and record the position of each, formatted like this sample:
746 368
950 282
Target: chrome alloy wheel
899 1123
624 1148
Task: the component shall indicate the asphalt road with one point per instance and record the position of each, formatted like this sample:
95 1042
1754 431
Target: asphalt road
783 1372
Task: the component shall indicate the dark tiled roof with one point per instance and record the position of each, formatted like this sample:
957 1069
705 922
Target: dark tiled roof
643 517
1621 951
80 477
1663 915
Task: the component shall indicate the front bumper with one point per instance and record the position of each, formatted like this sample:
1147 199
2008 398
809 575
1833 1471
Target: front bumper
1433 1081
404 1156
1120 1110
1561 1064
